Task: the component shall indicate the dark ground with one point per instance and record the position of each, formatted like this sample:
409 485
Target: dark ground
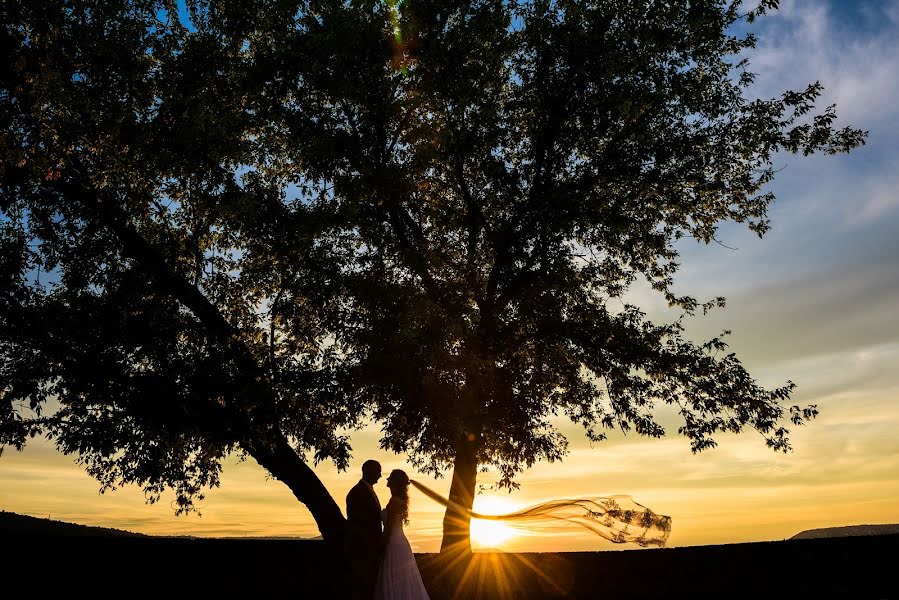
43 566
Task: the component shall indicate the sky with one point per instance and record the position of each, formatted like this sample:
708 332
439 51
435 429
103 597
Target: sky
814 302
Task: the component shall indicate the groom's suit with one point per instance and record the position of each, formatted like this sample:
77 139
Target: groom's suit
363 538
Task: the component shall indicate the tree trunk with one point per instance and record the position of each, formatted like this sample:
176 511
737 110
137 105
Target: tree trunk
276 455
285 465
456 521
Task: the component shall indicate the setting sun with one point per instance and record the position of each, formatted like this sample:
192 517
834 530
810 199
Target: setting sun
491 534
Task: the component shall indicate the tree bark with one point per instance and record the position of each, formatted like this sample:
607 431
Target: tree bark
457 521
284 464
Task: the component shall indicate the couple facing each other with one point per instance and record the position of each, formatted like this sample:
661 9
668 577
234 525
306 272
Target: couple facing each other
383 566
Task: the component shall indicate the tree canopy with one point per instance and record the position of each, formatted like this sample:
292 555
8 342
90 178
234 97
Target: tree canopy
248 226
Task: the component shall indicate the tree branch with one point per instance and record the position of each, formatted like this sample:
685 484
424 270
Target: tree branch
400 221
260 438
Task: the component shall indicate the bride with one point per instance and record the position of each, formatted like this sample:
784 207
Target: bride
398 577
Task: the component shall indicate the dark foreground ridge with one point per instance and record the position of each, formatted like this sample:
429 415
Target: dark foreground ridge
857 568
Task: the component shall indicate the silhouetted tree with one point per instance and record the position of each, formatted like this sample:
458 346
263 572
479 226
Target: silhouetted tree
134 331
497 177
292 215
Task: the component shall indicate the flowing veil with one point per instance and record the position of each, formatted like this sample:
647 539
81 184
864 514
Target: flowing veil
616 518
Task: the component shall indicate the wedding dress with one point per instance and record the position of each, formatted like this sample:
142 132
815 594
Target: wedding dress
398 578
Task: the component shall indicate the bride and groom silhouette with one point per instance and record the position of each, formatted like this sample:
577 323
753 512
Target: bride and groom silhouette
381 559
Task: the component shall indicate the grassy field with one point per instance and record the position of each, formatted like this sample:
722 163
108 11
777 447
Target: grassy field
39 566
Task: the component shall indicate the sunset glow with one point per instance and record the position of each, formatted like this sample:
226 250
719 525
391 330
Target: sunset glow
491 534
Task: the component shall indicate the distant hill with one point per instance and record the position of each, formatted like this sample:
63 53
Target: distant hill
272 538
16 524
848 531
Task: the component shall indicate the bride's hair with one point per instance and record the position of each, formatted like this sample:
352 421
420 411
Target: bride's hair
616 518
400 490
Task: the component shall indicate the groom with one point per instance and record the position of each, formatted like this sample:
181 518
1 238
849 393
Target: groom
363 531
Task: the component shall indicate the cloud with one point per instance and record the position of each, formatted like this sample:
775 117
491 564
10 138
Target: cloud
826 277
809 40
891 10
852 50
819 313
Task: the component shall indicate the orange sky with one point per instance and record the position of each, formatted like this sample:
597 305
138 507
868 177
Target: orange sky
845 470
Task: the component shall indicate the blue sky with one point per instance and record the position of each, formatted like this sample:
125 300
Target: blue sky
816 301
825 278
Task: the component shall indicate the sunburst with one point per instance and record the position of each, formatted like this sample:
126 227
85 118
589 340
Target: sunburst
491 534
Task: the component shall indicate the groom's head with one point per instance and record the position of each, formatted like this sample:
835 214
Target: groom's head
371 471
